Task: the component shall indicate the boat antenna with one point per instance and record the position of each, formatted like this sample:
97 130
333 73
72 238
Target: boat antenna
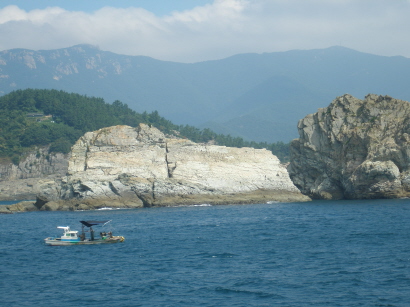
106 223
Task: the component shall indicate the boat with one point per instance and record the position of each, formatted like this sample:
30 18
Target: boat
71 237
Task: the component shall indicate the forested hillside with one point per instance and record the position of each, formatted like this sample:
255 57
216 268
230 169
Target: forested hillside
259 97
34 117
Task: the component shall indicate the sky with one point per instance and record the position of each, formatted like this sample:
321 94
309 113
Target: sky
199 30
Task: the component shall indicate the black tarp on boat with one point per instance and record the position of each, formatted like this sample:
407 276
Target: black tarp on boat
93 223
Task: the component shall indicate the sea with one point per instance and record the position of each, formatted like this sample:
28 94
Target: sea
319 253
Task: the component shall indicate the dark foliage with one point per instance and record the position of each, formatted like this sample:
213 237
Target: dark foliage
49 117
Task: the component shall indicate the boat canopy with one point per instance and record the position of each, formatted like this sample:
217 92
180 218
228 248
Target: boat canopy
93 223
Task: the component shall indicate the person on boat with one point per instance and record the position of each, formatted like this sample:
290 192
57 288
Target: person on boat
92 233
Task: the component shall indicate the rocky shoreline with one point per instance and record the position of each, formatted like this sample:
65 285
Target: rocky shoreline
255 197
125 167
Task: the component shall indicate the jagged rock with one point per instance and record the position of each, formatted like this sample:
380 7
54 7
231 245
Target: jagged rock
35 164
24 181
354 149
124 167
24 206
5 210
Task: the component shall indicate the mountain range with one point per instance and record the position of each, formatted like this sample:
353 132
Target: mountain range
259 97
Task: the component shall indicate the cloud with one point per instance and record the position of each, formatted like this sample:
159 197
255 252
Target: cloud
216 30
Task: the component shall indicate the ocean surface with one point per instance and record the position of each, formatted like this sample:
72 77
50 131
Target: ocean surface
321 253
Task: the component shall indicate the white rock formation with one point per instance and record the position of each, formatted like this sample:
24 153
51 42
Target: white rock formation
141 167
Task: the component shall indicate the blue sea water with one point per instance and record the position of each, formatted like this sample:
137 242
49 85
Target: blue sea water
321 253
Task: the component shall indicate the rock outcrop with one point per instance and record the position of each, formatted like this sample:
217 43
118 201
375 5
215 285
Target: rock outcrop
23 181
126 167
354 149
23 206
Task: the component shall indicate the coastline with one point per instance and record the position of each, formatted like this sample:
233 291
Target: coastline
254 197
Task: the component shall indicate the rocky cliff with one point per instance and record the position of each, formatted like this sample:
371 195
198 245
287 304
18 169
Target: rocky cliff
354 149
23 181
123 166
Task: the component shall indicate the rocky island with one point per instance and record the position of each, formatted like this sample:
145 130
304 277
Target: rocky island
354 149
125 167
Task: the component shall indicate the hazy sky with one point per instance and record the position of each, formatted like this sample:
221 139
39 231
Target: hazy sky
198 30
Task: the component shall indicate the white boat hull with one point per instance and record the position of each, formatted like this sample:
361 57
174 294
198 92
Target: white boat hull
59 242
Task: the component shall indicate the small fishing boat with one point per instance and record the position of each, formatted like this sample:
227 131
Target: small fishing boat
71 237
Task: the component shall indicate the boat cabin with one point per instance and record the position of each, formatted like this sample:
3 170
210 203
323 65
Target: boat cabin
69 235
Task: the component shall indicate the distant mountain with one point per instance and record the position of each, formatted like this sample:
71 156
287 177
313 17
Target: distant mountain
259 97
